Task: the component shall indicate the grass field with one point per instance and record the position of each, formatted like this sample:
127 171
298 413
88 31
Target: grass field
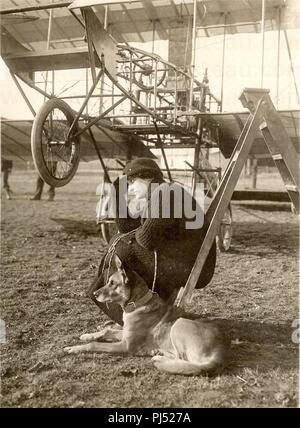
50 252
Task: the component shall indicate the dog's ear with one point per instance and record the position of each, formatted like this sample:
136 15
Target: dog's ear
118 262
121 267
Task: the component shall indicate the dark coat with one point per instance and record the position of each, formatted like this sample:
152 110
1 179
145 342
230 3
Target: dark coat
176 247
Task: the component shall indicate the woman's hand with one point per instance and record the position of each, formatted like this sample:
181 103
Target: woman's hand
136 207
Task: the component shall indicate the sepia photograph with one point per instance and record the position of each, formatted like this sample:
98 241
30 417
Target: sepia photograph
149 206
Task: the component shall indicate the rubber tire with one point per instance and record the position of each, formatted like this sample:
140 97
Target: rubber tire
108 230
223 247
36 147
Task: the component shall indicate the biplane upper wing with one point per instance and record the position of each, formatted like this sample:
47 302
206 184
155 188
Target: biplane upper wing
230 126
135 21
15 142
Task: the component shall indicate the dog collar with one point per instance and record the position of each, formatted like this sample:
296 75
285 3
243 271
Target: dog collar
132 306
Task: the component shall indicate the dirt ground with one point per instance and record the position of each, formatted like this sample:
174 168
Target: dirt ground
49 255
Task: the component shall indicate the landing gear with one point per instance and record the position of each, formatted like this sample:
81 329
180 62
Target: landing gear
55 153
225 231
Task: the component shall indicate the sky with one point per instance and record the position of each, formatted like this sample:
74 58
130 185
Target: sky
242 69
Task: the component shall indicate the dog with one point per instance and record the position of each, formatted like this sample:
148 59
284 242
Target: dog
151 327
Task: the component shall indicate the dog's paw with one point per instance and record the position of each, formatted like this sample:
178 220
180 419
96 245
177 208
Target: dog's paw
87 337
158 361
72 349
157 358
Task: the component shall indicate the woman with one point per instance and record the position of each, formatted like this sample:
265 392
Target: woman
154 238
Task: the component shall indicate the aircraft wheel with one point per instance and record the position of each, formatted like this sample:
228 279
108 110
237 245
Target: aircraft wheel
56 157
225 231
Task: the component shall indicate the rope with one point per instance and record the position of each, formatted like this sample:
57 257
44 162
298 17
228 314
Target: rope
155 271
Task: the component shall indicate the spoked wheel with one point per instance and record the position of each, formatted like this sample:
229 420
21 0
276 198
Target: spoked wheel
144 71
56 155
105 219
225 231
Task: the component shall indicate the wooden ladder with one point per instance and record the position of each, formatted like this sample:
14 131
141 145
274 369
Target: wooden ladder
264 117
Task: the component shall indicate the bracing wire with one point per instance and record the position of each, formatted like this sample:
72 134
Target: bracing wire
65 88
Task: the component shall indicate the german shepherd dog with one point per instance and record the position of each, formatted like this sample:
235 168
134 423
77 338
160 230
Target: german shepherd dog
151 327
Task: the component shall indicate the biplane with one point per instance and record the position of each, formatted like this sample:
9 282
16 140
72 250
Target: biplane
143 101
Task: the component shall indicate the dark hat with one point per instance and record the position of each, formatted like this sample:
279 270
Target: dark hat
142 166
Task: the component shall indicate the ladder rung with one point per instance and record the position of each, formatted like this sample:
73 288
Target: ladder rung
291 187
234 158
277 157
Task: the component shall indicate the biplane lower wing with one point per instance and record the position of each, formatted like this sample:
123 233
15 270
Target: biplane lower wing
230 126
16 135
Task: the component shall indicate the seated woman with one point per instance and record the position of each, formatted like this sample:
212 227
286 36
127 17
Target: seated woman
155 239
